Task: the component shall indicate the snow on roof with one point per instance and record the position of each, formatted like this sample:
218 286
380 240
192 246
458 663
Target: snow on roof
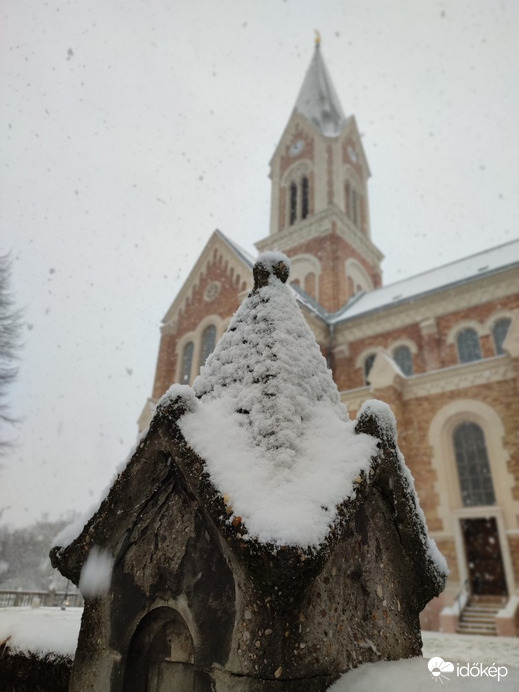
318 100
269 422
242 254
455 273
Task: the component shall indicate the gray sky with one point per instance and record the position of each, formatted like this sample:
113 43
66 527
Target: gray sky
131 130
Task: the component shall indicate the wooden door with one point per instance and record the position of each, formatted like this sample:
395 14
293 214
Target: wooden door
483 554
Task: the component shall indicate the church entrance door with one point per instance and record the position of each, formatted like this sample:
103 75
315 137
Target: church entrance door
484 559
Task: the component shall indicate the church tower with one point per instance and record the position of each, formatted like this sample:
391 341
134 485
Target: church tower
319 200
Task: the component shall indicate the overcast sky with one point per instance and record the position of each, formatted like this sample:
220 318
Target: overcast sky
131 130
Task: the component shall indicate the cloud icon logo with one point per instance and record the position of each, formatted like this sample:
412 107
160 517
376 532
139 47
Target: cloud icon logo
438 667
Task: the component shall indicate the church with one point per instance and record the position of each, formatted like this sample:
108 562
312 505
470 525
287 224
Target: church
441 348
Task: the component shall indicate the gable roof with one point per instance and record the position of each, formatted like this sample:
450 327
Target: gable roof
456 273
217 238
318 100
246 257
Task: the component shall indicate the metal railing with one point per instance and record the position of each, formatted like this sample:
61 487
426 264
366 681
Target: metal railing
462 596
14 599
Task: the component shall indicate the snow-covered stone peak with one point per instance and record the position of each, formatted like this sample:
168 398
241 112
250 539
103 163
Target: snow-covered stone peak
271 266
269 367
269 422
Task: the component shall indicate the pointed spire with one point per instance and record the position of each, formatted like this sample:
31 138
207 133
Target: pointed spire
318 100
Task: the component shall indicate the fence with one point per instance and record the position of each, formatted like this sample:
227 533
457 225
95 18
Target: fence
10 599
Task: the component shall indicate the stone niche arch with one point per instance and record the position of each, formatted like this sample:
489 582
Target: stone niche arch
305 271
161 655
357 277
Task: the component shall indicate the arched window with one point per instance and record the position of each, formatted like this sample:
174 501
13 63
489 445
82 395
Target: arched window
368 364
499 332
208 343
473 466
298 200
187 363
352 203
293 203
305 198
310 284
468 346
403 358
355 207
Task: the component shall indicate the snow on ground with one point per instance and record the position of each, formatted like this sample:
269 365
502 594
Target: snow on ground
494 653
502 650
413 675
51 630
41 630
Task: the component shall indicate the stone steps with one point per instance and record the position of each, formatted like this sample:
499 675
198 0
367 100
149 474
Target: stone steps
479 618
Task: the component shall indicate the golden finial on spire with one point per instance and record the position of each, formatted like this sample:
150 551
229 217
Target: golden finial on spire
317 38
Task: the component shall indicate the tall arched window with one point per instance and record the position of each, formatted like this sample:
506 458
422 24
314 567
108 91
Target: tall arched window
468 346
404 359
368 364
187 363
208 343
352 203
355 207
474 473
298 200
305 199
293 203
499 332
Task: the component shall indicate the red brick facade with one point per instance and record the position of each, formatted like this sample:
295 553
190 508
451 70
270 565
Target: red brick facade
334 256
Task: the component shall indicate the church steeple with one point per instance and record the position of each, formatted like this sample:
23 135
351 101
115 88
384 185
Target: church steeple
319 204
318 100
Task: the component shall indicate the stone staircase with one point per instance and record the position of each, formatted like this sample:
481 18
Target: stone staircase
479 616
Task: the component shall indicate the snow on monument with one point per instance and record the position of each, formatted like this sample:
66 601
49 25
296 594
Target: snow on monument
260 540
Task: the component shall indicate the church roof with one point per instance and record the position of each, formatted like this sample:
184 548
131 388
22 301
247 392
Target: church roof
318 100
242 254
488 262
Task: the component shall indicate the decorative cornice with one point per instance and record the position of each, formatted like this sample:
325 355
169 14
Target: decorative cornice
459 377
354 398
320 225
450 379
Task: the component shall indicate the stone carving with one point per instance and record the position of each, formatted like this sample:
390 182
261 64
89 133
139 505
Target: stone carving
197 601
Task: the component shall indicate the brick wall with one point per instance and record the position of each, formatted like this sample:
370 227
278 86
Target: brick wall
195 309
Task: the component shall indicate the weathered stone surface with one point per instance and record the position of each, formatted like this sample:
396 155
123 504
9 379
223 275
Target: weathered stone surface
197 603
193 605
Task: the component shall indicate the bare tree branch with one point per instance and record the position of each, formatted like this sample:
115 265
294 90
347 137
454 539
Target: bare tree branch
10 326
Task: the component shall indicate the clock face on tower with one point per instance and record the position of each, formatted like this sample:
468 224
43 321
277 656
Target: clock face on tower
296 147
